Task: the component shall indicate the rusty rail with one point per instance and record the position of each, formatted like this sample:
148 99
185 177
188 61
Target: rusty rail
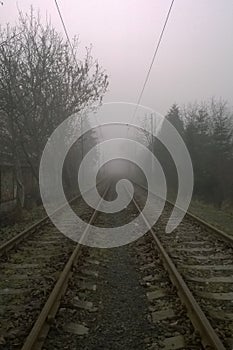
8 245
199 320
37 336
11 243
223 235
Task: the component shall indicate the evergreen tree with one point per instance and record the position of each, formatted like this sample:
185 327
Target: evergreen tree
174 117
208 136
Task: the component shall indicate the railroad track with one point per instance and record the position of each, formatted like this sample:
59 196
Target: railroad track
120 298
203 256
29 268
19 237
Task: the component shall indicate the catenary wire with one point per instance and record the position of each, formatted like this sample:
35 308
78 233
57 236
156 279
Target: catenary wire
153 59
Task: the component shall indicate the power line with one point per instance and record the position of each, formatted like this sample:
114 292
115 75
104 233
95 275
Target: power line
68 38
71 46
65 30
156 51
153 58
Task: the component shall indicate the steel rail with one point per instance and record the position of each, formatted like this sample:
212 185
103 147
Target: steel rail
202 222
217 231
37 336
11 243
199 320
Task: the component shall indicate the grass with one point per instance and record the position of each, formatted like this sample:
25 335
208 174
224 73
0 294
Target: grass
220 218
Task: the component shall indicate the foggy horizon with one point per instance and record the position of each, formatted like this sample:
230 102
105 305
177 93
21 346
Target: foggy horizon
193 61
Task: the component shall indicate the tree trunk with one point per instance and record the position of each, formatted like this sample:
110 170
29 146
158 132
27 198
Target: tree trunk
20 190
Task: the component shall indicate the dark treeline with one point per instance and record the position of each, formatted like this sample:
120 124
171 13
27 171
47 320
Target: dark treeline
207 130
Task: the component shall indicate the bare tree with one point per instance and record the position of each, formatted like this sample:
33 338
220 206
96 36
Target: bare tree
41 83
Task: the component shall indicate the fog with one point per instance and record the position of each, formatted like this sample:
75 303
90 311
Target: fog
193 63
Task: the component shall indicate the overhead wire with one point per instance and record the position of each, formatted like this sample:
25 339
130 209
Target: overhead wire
65 30
72 49
153 58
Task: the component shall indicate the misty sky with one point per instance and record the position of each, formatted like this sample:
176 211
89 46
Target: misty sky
195 60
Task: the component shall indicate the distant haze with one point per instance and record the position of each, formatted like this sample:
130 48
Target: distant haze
194 61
